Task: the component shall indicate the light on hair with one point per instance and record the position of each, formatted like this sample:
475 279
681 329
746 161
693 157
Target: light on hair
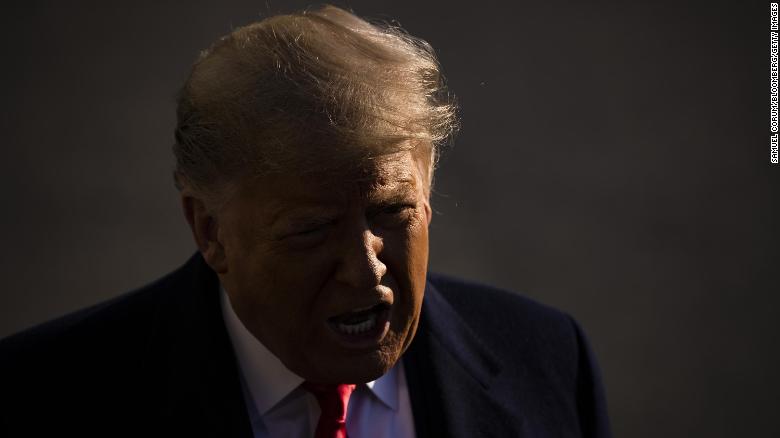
307 92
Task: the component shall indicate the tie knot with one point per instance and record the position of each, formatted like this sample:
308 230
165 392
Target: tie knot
333 400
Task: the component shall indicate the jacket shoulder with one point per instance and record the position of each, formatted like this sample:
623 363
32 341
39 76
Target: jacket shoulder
103 330
90 368
516 329
545 355
481 304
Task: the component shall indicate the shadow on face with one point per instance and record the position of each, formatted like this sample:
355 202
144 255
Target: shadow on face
328 272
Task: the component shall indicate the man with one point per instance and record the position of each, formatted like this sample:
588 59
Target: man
305 151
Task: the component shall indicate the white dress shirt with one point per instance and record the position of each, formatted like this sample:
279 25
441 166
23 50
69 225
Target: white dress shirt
279 407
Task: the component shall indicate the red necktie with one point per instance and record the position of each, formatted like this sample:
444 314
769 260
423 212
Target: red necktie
333 400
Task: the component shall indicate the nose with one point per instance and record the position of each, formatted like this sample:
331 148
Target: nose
359 266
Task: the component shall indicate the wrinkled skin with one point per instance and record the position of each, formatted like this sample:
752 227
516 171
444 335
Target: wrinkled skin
293 251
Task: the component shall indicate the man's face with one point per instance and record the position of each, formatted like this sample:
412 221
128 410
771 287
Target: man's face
329 274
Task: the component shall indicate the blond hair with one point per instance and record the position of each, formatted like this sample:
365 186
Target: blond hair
307 91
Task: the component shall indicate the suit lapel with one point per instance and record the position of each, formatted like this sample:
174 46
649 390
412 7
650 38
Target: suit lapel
450 373
204 391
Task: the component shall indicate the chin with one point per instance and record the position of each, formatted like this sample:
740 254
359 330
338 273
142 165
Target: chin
356 369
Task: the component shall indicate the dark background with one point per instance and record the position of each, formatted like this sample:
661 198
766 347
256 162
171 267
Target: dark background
613 162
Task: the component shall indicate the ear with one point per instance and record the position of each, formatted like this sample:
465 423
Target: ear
428 212
205 231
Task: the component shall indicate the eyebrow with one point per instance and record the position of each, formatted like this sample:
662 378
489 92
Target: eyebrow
400 190
310 218
298 214
307 212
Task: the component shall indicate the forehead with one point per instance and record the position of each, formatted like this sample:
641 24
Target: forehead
381 179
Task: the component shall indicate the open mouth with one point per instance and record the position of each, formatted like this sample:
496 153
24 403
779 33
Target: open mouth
361 323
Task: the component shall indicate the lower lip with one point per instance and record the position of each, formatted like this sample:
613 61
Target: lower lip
366 340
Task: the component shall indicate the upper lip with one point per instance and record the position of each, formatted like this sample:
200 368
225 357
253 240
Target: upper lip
361 309
353 310
379 296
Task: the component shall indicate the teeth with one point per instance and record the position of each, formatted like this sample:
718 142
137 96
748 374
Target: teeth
358 328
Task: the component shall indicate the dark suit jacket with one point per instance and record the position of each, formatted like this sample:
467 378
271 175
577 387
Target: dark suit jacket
158 362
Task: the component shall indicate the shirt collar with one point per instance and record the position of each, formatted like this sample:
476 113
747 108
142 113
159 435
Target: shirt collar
269 381
386 387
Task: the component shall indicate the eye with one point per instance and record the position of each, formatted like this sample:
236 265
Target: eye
307 235
308 231
394 215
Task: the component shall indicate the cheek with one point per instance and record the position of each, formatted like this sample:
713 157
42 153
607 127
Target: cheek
276 301
283 286
418 259
411 269
417 244
278 280
407 255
